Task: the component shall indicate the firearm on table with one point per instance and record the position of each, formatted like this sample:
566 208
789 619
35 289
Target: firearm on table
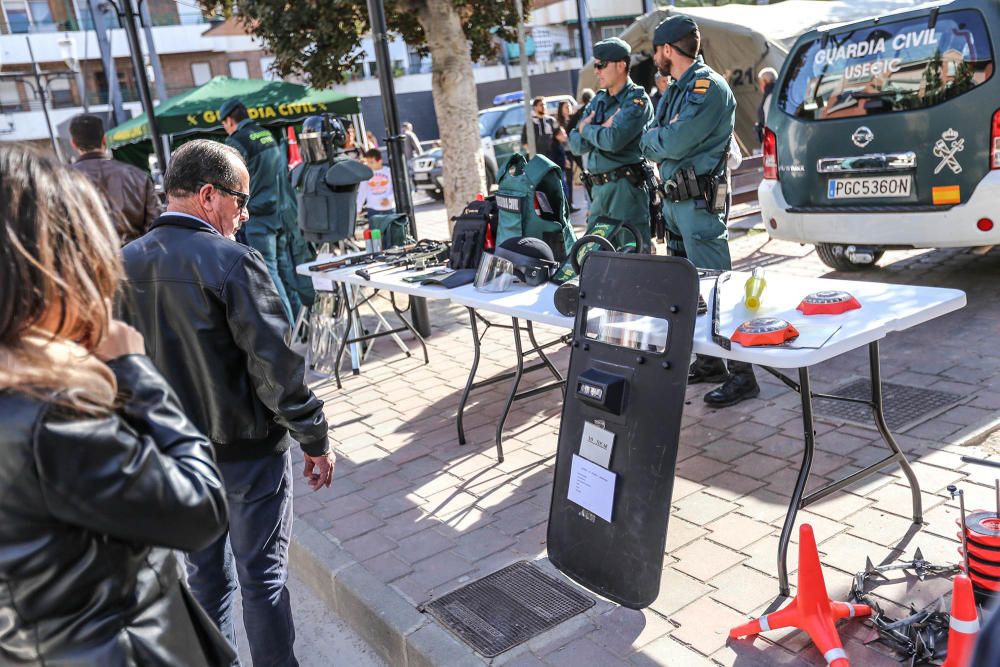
420 255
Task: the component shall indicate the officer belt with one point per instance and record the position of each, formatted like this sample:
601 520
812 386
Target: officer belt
633 171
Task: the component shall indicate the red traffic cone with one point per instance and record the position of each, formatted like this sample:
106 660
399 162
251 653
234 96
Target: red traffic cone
964 625
812 610
294 157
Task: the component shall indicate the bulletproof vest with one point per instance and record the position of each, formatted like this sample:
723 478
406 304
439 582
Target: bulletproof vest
327 199
532 202
265 166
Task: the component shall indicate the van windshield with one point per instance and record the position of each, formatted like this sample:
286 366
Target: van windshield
892 66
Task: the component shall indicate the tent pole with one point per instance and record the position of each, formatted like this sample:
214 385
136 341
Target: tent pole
143 81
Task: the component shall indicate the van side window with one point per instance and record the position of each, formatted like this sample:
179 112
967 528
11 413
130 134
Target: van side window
889 67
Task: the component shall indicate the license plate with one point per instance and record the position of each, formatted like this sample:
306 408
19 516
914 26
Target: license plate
422 177
869 187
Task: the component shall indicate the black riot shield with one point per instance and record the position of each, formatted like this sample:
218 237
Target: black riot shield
621 422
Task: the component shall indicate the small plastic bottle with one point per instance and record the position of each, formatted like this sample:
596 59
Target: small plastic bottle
754 288
368 240
376 240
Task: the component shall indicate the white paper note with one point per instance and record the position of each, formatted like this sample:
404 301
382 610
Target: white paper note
592 487
596 444
322 284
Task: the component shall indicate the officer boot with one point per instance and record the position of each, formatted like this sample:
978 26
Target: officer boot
707 369
740 386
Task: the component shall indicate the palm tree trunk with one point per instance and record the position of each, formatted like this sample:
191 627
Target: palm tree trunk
454 90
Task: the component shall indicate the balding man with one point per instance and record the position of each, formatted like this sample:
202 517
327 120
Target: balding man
215 327
765 84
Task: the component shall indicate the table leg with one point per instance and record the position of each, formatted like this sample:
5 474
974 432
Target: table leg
399 314
353 328
348 329
809 432
541 352
883 428
472 375
513 387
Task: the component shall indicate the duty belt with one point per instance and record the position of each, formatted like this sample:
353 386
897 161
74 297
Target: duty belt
631 172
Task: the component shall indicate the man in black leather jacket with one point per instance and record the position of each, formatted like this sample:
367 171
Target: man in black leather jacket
215 326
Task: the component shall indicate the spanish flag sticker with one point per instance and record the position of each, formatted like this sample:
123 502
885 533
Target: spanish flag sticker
701 85
946 194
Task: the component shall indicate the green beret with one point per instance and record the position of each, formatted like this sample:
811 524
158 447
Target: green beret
227 108
610 50
673 28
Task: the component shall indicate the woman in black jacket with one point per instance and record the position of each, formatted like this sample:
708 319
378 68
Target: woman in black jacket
101 474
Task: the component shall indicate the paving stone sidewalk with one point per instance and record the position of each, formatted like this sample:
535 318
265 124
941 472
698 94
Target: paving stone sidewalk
423 515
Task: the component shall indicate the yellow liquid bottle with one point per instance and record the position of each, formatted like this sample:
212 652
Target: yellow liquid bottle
754 289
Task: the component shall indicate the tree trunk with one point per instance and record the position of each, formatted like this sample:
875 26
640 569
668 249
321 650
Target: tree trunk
454 90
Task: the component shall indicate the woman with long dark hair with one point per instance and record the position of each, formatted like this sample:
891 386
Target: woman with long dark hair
564 117
101 473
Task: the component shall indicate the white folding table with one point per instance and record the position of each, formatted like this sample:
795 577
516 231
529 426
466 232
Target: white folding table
885 308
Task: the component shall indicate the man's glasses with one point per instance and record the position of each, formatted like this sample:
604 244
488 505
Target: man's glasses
598 65
242 198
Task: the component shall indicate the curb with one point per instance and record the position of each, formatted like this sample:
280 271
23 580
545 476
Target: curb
397 632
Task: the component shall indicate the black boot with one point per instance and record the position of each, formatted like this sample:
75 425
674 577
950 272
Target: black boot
707 369
740 386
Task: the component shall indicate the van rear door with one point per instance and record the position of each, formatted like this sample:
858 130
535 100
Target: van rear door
887 114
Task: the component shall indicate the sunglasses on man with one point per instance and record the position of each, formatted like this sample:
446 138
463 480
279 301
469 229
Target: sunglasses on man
599 65
242 198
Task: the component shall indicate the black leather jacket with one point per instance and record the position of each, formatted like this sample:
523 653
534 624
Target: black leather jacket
215 326
87 505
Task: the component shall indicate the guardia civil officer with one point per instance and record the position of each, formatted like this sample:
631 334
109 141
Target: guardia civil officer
607 139
690 140
264 230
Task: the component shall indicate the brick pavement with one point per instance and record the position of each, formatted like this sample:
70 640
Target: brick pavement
424 515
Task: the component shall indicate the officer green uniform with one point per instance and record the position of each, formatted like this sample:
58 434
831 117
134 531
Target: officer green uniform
692 127
606 151
264 230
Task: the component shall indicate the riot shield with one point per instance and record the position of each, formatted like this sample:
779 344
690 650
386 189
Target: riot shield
621 421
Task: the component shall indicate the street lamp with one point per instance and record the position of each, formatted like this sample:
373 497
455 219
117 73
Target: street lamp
67 49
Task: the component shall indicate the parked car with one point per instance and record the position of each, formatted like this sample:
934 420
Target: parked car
885 133
500 131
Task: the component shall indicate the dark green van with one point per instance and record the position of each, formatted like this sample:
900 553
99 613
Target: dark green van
885 133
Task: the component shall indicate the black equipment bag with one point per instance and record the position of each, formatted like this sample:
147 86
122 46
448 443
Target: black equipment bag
627 376
476 224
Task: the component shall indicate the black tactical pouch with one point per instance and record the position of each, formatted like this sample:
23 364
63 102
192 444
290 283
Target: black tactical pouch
472 228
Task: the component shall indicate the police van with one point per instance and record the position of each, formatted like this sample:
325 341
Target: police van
885 133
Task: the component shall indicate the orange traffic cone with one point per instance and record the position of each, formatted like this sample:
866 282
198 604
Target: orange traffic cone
964 625
294 157
811 610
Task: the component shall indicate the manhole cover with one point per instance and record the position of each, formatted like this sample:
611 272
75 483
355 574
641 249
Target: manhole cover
904 406
507 608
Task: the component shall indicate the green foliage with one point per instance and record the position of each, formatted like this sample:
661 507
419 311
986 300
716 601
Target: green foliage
320 40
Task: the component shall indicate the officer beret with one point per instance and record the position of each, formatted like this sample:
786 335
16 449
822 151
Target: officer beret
227 107
612 49
673 28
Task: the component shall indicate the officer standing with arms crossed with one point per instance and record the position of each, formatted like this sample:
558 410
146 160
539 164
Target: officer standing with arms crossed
690 140
607 138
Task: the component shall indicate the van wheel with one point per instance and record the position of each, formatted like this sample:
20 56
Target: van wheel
835 256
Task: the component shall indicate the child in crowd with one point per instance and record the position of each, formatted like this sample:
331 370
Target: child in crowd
375 195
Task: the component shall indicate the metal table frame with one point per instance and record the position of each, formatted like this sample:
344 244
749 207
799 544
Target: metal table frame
800 501
520 369
353 333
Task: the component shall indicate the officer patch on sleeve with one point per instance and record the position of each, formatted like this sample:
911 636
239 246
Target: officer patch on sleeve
702 85
639 102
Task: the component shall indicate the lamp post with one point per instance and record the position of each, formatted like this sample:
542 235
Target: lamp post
394 145
67 49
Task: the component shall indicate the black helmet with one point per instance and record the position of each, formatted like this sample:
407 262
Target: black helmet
532 258
321 138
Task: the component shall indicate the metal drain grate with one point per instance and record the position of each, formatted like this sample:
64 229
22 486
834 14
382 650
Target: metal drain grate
904 406
507 608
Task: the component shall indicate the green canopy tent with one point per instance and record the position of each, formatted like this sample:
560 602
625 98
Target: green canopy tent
196 112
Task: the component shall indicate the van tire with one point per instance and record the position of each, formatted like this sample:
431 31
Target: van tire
832 254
